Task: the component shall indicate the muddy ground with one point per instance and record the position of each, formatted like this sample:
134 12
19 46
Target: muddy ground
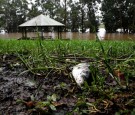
22 93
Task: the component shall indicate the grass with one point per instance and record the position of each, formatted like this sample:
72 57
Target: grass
88 48
50 53
39 55
107 58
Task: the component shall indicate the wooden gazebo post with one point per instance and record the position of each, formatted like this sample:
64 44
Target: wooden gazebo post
22 32
42 36
25 32
58 32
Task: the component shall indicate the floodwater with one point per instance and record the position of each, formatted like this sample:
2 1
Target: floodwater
75 35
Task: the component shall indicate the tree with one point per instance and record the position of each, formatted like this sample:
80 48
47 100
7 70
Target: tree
65 16
33 11
119 14
13 14
88 9
82 9
47 7
74 16
131 14
2 22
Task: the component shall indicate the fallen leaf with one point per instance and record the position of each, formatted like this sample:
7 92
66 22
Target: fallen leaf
119 74
30 104
54 97
56 104
52 107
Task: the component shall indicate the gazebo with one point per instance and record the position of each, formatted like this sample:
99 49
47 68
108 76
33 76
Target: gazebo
41 22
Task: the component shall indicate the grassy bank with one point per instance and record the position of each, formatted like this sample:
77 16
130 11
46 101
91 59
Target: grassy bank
85 47
112 68
40 55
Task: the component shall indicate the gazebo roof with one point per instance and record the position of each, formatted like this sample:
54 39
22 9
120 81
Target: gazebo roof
41 20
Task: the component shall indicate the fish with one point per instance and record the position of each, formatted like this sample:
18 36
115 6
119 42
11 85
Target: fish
81 73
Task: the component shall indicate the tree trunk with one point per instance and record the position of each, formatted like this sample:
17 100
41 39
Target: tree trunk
65 17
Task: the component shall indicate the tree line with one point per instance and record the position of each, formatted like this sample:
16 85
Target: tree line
119 14
75 15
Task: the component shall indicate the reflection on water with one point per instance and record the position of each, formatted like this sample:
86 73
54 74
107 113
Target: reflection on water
74 35
101 33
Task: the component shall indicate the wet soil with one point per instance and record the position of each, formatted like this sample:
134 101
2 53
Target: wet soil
18 86
21 93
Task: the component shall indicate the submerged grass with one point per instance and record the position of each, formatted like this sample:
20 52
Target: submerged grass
109 60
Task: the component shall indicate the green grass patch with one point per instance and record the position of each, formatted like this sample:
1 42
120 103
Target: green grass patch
85 47
38 55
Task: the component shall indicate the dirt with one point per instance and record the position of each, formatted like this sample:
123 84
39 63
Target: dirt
16 85
21 93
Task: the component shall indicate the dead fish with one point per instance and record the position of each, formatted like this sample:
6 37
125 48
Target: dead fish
81 73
